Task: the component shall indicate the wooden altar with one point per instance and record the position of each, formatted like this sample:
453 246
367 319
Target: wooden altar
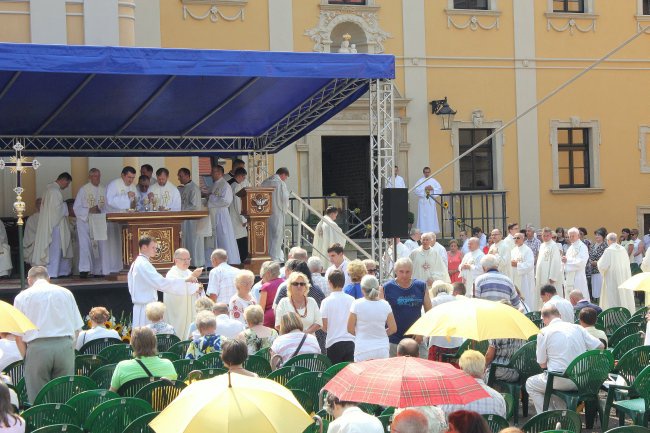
165 227
256 205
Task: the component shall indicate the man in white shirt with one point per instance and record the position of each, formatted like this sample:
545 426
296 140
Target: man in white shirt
120 197
549 296
226 326
575 260
428 191
348 418
338 261
164 195
399 180
48 350
414 241
221 281
280 205
335 311
558 344
144 281
470 267
549 263
522 260
501 250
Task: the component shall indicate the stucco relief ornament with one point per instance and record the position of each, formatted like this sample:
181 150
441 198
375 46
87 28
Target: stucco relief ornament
329 19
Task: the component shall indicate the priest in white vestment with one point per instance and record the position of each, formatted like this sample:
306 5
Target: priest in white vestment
470 267
144 281
89 208
143 203
549 268
218 203
180 312
52 246
239 222
191 201
5 253
29 234
614 265
280 206
427 190
120 197
327 234
575 261
399 180
389 257
500 249
413 241
522 260
163 194
429 265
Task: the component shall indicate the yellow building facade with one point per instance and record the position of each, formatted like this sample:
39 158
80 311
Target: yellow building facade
580 158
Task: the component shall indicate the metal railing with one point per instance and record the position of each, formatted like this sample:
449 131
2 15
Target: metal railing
465 210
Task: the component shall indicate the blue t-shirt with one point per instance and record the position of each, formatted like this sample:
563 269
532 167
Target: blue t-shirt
354 290
406 305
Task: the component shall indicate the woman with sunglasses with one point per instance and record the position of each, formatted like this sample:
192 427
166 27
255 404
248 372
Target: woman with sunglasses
298 302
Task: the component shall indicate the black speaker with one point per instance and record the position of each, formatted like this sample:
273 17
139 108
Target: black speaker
395 207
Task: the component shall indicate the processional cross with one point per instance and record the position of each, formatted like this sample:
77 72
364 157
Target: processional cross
18 165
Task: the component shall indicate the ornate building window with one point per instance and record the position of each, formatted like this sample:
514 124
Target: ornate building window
473 14
575 156
571 6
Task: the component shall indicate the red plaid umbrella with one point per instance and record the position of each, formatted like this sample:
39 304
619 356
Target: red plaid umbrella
405 382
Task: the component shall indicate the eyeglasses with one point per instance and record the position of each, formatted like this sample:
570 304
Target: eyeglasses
298 284
371 271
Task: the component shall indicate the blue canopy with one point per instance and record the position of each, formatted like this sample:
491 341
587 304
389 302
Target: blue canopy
83 100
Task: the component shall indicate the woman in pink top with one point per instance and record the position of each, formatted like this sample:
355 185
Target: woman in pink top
9 421
454 258
271 278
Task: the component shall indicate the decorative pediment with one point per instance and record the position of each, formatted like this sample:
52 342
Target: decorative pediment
364 17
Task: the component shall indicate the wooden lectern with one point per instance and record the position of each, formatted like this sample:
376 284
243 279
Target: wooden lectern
256 205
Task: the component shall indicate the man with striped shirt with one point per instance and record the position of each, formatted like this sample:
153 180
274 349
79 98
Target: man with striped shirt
495 286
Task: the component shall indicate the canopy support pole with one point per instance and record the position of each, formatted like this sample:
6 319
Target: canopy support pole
382 161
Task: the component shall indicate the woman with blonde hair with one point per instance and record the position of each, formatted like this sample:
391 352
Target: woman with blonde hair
292 340
155 312
98 317
298 302
356 270
244 281
368 318
257 336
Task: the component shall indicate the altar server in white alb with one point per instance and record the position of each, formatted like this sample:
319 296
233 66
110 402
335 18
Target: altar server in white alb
501 249
120 197
280 206
218 203
29 235
614 265
522 260
239 222
327 234
549 264
52 246
164 195
575 260
144 281
5 253
427 192
399 180
180 311
191 201
89 208
470 267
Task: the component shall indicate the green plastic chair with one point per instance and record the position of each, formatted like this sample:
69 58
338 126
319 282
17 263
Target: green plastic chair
166 341
632 363
85 402
313 361
84 365
545 421
15 371
47 414
184 366
611 319
103 375
621 333
333 370
312 383
131 387
369 408
284 374
637 408
264 353
588 372
496 423
21 392
510 405
115 415
480 346
62 388
212 360
641 312
534 315
388 411
141 424
386 421
207 373
117 353
627 344
57 428
305 400
524 361
318 427
168 355
629 429
258 365
94 347
323 414
180 348
160 393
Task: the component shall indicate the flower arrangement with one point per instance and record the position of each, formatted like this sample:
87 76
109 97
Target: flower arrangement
445 205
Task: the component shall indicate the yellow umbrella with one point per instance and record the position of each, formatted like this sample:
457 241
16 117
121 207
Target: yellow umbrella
13 320
639 282
233 403
477 319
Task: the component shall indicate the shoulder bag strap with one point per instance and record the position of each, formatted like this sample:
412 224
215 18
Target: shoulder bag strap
304 337
146 370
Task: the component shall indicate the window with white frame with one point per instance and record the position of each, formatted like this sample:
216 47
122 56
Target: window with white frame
472 4
570 6
645 7
576 155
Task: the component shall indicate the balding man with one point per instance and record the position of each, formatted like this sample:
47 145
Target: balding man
495 286
180 311
414 239
615 270
410 421
221 281
408 347
501 250
522 260
575 260
470 267
429 264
